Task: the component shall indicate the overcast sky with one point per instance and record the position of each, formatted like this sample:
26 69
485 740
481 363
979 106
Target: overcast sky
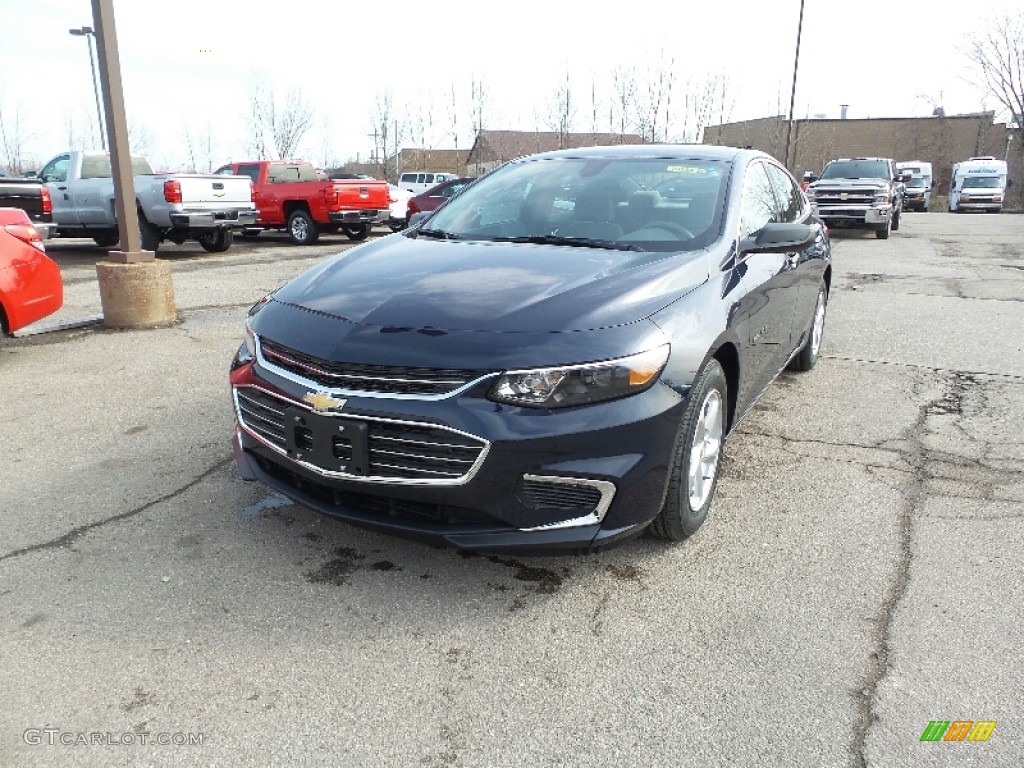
189 66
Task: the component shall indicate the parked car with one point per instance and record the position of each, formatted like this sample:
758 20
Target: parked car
437 196
859 193
30 283
551 362
290 197
421 181
399 201
172 206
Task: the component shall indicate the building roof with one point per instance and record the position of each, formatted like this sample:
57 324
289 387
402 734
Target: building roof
505 145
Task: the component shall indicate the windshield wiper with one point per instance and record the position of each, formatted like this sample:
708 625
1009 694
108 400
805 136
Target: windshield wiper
437 234
572 242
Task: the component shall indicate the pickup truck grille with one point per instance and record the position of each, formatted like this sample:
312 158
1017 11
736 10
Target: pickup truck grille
849 197
397 451
359 377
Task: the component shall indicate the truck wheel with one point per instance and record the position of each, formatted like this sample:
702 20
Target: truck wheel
302 229
896 220
106 241
217 241
150 235
882 233
356 231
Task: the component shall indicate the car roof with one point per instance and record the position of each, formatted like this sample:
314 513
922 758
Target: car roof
652 151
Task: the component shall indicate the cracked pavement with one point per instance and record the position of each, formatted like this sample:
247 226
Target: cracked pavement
859 576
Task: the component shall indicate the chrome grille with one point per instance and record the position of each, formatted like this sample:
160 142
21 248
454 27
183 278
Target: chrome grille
398 451
360 377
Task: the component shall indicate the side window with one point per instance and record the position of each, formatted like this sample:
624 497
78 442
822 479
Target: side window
428 178
96 167
758 207
56 169
420 178
227 170
791 201
251 170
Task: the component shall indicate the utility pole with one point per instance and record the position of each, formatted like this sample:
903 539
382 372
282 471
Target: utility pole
792 95
136 290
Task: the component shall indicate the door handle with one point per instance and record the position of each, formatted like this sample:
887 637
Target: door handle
61 188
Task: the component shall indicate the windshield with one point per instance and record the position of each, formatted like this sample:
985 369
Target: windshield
856 169
917 183
643 204
982 182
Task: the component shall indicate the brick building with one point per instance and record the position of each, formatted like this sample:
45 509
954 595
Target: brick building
941 141
492 148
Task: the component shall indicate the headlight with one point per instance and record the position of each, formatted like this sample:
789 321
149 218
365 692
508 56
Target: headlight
250 341
881 196
810 194
580 384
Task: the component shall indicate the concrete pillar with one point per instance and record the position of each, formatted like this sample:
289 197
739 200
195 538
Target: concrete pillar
137 294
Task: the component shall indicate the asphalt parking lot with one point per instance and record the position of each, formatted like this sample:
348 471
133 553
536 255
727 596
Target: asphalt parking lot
859 576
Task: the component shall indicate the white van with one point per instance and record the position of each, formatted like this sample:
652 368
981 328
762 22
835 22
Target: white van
918 193
978 184
421 181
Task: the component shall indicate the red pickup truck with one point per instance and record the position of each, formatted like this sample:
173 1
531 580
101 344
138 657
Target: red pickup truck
290 197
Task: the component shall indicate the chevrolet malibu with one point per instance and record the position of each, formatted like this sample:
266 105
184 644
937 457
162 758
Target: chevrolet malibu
550 363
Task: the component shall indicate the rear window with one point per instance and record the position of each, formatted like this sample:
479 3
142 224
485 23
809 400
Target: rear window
98 167
284 173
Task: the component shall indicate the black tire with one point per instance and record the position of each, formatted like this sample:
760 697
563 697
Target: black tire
250 234
396 226
106 241
217 241
356 231
678 519
808 354
302 229
882 233
149 235
896 220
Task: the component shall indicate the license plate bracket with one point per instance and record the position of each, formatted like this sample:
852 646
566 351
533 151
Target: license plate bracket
328 442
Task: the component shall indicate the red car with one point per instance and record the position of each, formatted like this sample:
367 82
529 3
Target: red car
434 197
30 283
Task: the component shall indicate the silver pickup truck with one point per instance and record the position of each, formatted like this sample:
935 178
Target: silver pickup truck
859 193
172 206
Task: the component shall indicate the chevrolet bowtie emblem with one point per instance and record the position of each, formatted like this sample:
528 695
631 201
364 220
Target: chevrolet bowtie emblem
321 402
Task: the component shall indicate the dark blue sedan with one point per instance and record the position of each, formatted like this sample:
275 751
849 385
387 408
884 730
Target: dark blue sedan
549 363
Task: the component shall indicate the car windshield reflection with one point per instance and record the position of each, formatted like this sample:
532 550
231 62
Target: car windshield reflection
630 204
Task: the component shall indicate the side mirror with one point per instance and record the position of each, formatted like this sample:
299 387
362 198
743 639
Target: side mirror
809 176
779 238
418 218
906 176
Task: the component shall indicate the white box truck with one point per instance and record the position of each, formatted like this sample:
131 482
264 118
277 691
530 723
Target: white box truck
918 194
978 184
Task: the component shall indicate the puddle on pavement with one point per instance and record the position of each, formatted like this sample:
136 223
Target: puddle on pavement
271 502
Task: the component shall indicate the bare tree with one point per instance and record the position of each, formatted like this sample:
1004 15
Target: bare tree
384 133
652 103
14 137
624 95
277 123
998 55
478 99
562 112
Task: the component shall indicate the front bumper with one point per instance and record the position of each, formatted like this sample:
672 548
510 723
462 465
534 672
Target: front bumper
539 481
854 215
231 219
360 216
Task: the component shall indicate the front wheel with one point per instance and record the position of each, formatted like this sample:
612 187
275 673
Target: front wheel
302 229
882 233
396 226
808 355
356 231
217 241
106 241
696 458
896 220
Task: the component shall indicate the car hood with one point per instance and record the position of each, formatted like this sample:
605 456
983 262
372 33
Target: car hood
849 184
414 283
